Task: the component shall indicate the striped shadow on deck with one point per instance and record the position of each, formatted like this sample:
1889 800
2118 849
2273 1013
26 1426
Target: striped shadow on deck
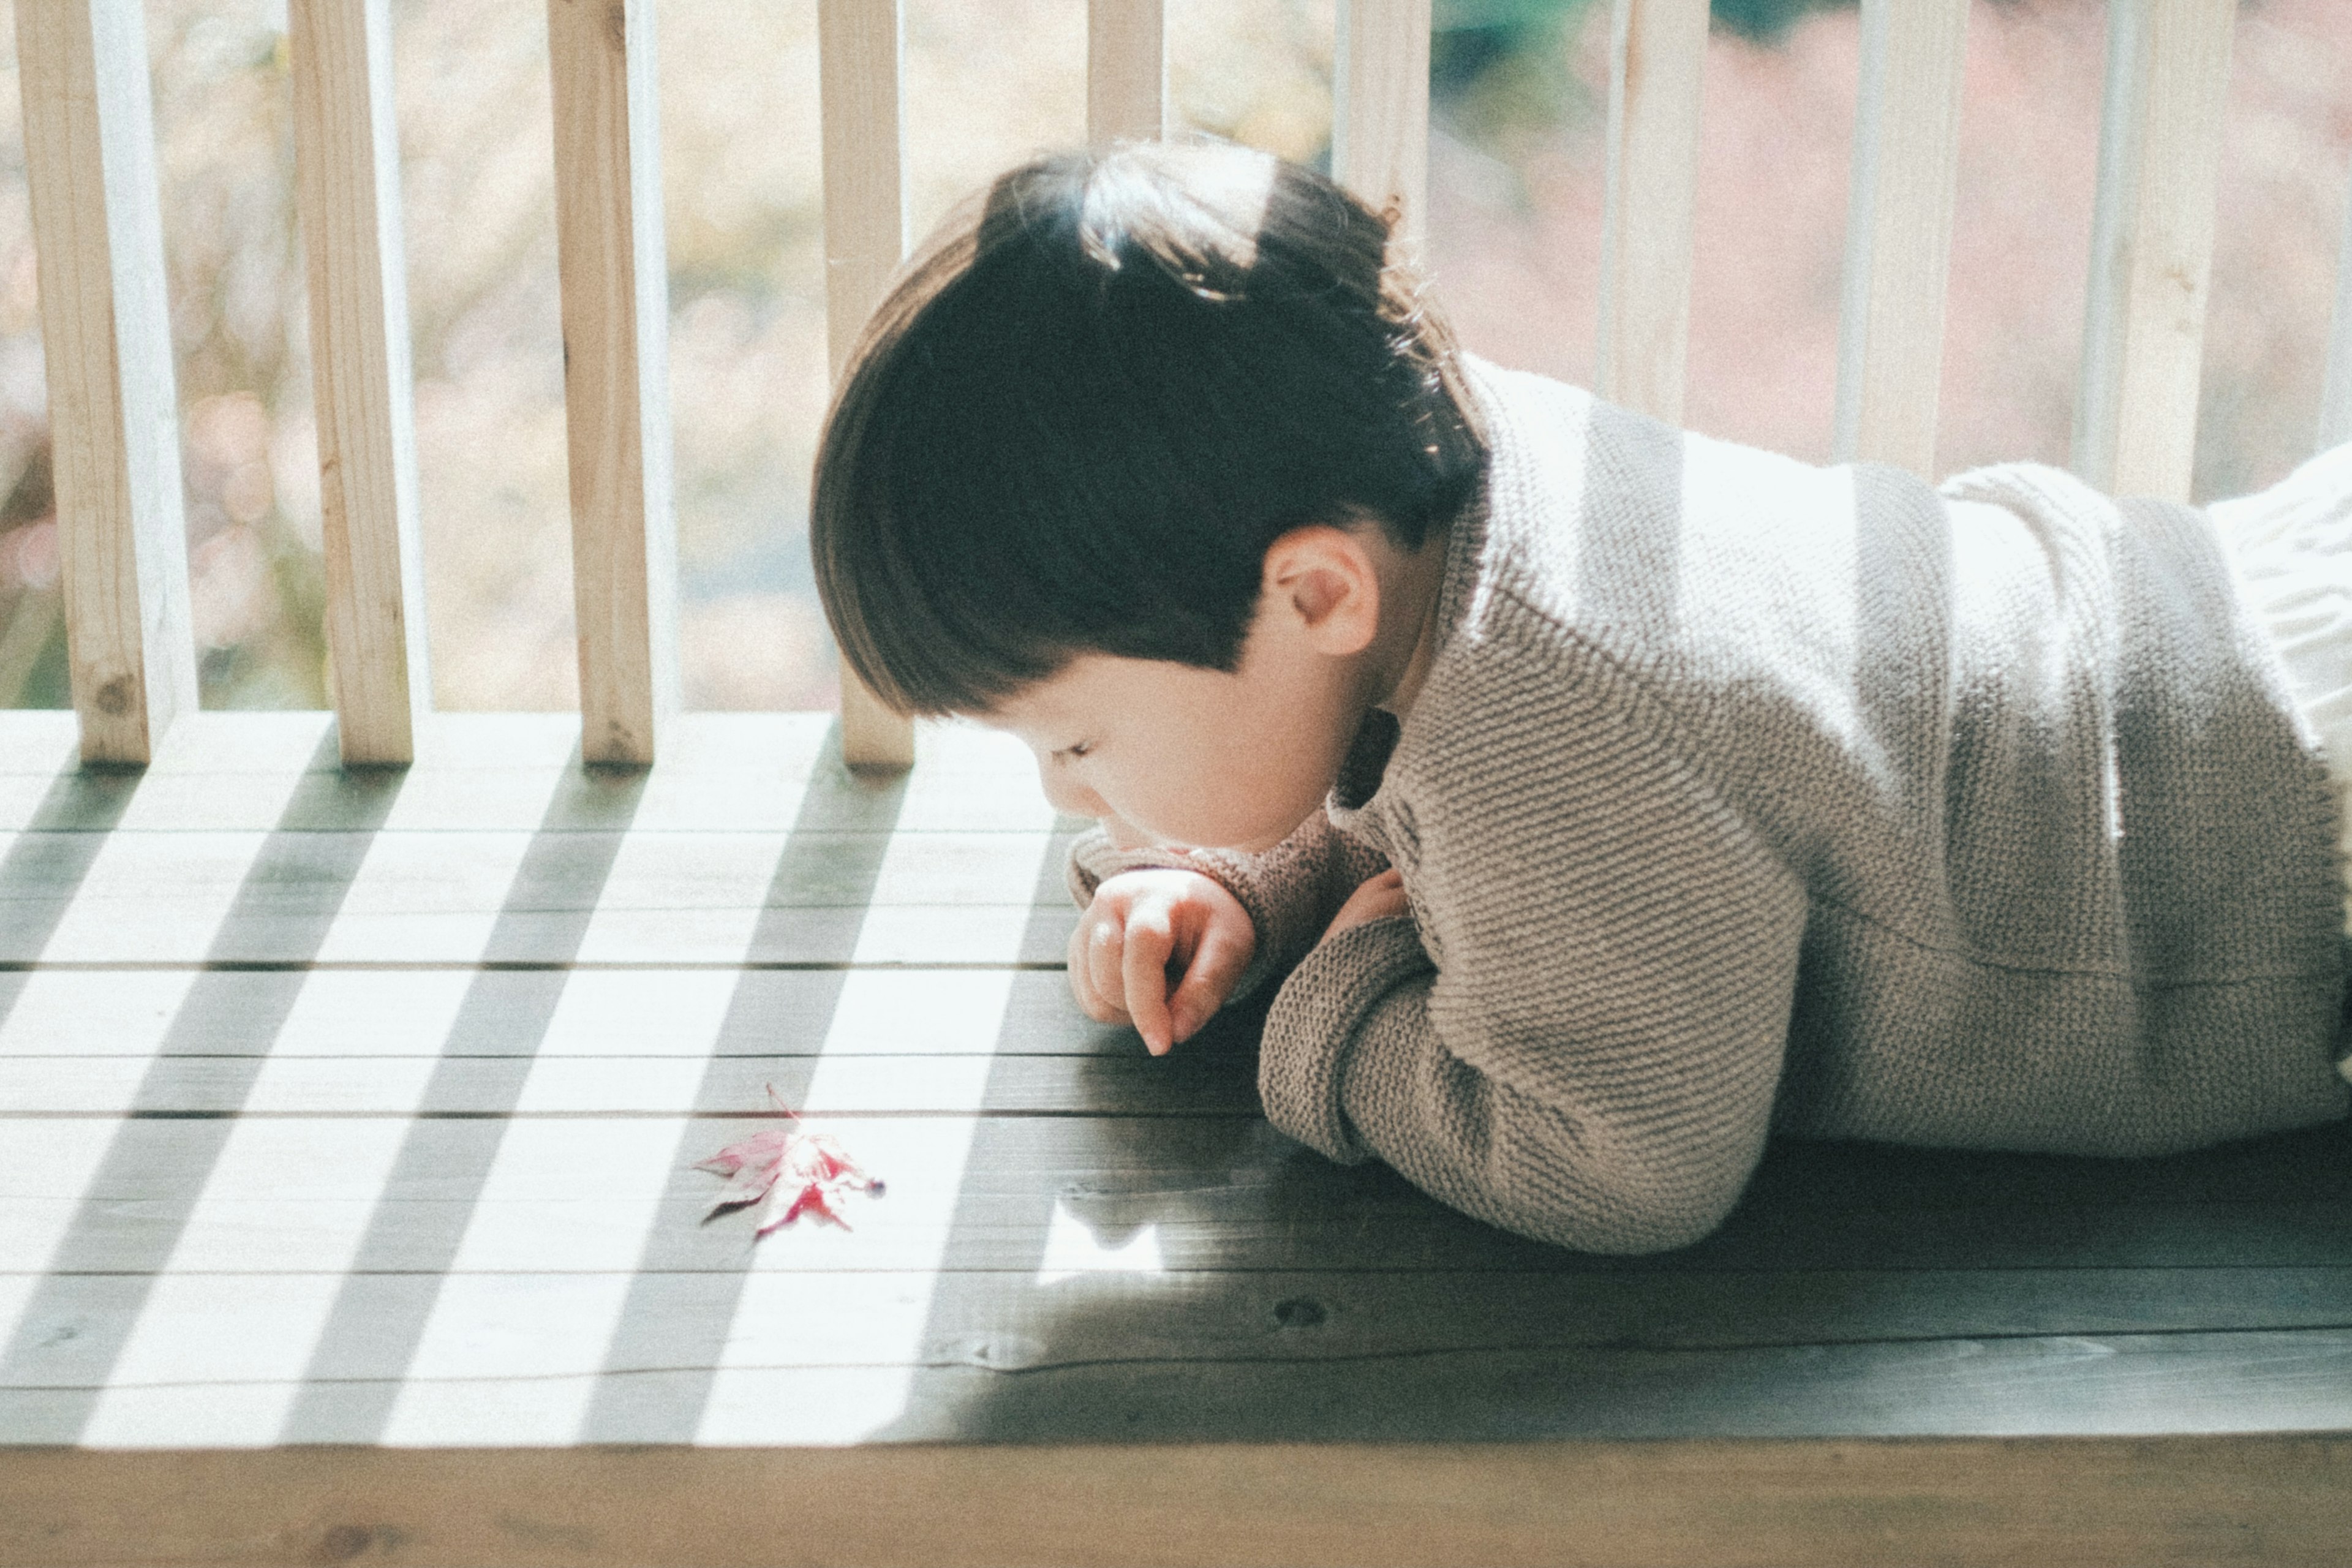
359 1109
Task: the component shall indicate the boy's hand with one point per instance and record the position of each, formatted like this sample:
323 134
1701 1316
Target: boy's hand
1143 925
1377 898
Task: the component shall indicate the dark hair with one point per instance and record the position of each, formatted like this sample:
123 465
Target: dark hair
1083 415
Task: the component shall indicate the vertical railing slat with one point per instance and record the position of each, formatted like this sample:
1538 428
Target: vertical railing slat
2152 244
1906 145
2336 390
89 162
610 254
1657 67
1126 71
1379 109
865 236
346 174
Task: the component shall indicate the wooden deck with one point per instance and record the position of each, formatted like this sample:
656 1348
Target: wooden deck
345 1127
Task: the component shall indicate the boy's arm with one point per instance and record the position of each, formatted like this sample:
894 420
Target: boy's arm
1593 1059
1291 891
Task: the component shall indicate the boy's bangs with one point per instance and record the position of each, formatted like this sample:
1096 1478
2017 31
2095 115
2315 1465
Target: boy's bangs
942 650
923 632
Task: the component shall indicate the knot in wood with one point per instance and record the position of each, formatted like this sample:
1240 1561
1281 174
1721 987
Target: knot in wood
1299 1312
342 1542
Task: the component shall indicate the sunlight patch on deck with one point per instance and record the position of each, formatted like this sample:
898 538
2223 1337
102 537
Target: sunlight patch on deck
1073 1249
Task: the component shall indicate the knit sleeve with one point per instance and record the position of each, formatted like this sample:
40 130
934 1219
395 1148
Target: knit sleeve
1290 891
1591 1055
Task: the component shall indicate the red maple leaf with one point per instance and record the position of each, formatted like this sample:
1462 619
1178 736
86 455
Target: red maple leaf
788 1173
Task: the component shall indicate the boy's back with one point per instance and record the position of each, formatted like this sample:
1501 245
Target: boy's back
1743 794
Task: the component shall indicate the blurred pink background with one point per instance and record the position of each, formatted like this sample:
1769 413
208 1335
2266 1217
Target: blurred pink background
1516 176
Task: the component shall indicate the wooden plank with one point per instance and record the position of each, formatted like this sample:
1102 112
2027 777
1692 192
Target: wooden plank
599 888
347 169
49 1165
727 772
115 1013
498 1341
36 742
1004 1219
89 164
2152 245
232 771
1657 67
647 898
609 244
630 1085
385 1015
1219 1192
2185 1503
1380 112
210 1363
858 47
112 901
1126 71
1106 1299
177 787
2335 392
2143 1386
1906 148
210 1354
32 756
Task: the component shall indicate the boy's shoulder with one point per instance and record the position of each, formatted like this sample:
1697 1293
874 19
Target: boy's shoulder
1634 535
1681 581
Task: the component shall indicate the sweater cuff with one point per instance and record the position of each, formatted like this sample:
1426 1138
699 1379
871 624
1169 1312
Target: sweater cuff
1095 860
1313 1024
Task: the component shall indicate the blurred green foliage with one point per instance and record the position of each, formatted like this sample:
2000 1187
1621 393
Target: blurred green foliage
1499 68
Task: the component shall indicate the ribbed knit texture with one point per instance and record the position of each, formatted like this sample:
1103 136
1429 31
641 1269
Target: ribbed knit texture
1745 796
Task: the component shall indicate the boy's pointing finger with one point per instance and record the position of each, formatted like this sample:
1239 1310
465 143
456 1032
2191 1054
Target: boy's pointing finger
1217 964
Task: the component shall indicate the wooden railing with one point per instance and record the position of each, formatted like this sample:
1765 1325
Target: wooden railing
89 151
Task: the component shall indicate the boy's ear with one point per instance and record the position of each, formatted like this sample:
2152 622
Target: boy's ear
1328 583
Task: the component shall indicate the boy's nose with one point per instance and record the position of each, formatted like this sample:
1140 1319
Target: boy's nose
1067 797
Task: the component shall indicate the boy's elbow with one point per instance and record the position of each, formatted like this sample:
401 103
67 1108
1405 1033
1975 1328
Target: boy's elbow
1662 1230
1630 1215
1626 1231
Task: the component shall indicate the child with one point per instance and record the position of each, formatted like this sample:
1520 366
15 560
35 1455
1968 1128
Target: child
1609 796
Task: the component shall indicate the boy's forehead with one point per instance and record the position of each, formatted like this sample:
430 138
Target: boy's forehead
1040 705
1084 690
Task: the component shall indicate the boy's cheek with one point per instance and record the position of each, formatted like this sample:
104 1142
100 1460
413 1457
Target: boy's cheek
1125 835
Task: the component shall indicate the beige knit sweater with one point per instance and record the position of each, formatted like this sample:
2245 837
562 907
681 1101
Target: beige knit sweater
1746 797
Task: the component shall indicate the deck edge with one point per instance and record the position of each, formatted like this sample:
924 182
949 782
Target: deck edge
2148 1502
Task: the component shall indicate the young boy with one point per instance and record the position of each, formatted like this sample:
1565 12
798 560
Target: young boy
1609 796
